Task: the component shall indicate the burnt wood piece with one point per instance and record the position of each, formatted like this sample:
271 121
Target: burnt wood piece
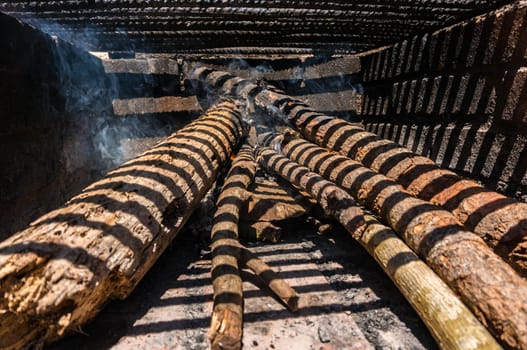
227 315
271 207
276 284
451 323
499 220
489 286
59 272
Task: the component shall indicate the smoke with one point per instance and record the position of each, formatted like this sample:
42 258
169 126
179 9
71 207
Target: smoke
243 68
328 86
93 136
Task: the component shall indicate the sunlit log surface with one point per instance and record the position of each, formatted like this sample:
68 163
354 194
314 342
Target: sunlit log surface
58 273
490 287
270 278
229 256
452 324
227 314
499 220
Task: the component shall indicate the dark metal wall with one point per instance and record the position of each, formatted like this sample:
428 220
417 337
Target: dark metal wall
250 25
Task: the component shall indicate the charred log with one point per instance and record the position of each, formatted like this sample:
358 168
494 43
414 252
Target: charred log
494 291
58 273
449 320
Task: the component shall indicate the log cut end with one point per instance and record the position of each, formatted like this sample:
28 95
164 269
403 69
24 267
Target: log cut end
225 330
44 294
37 306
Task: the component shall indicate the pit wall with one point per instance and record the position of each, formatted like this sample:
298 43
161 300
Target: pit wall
51 94
458 96
59 131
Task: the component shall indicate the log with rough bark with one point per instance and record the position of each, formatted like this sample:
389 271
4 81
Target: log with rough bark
490 287
499 220
227 315
335 201
450 322
228 255
60 271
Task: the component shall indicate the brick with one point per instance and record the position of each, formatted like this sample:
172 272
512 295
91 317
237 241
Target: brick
410 60
516 103
403 53
517 39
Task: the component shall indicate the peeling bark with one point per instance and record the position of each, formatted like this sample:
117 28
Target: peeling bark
58 273
490 287
449 320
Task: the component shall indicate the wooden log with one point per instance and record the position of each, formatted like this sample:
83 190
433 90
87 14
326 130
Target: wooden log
227 315
490 287
450 322
499 220
335 201
228 254
58 273
279 287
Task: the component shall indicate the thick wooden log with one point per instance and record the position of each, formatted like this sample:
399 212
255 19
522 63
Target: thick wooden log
490 287
58 273
227 315
450 322
499 220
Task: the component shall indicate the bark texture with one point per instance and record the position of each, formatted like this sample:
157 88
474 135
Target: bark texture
335 201
59 272
227 315
499 220
449 320
490 287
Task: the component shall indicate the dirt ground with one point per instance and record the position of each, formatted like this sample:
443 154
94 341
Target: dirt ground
347 302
